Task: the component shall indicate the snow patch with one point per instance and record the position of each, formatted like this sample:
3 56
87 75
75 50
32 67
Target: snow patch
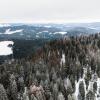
47 26
62 59
37 36
42 32
4 49
63 33
5 25
8 31
77 84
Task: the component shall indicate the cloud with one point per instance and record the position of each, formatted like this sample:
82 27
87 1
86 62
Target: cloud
49 10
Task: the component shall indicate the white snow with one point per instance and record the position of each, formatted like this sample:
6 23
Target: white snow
4 49
37 36
42 32
47 26
92 28
5 25
62 59
8 31
90 87
39 32
77 84
98 89
50 33
63 33
77 87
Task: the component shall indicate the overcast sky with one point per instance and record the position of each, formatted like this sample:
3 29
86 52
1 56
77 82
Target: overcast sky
49 10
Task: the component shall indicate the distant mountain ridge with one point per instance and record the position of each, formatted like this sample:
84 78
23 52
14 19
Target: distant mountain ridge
48 31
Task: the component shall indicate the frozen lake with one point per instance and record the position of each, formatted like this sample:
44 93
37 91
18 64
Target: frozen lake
4 48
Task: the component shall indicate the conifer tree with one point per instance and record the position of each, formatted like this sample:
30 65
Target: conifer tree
3 95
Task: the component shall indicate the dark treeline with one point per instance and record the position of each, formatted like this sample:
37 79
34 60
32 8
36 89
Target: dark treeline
25 48
55 72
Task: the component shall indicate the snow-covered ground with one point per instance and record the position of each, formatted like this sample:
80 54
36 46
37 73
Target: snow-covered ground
90 87
8 31
63 33
47 26
62 59
4 48
5 25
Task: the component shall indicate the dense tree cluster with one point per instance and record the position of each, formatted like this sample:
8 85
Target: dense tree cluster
65 69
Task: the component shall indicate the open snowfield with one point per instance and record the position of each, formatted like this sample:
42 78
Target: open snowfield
4 49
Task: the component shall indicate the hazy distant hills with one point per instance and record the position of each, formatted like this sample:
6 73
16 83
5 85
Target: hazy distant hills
47 31
28 38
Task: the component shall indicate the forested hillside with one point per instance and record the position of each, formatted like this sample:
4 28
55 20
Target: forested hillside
64 69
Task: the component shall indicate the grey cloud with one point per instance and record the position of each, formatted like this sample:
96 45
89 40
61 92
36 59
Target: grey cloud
44 10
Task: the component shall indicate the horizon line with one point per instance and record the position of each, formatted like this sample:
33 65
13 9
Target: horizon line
49 21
